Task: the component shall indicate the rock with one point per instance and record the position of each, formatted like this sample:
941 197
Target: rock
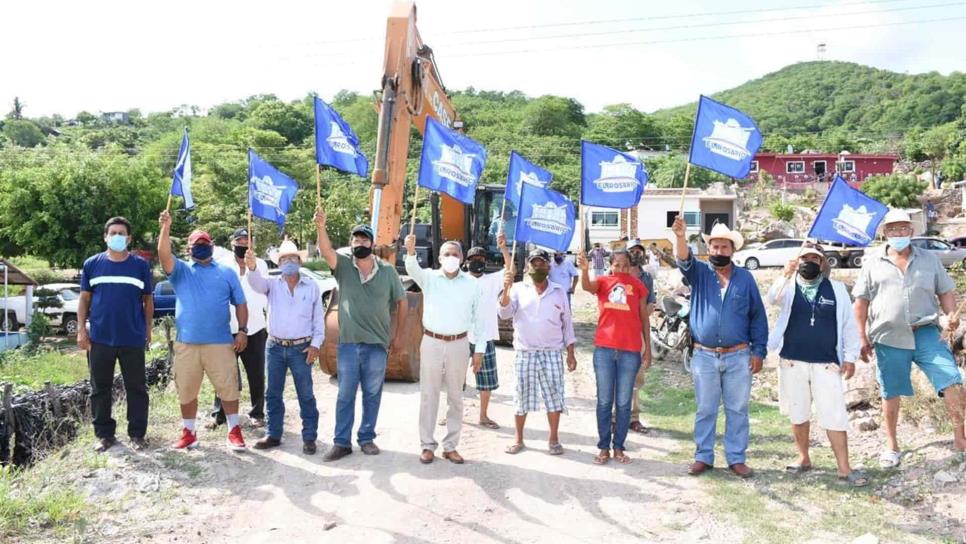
862 388
867 538
944 477
866 424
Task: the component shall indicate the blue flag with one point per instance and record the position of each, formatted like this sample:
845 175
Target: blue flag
451 163
546 218
336 144
523 172
181 180
270 192
609 178
724 139
847 215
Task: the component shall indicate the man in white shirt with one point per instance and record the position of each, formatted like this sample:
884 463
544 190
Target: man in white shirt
253 356
450 301
564 273
491 284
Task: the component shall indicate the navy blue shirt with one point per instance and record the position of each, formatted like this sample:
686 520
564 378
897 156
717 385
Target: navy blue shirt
812 332
203 293
117 299
738 319
648 282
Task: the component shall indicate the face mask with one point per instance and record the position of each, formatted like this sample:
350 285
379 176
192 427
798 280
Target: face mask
558 259
201 251
809 270
899 243
636 259
450 264
361 252
476 267
538 275
289 268
240 251
720 260
117 242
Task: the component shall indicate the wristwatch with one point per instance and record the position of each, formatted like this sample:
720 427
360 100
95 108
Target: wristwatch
243 329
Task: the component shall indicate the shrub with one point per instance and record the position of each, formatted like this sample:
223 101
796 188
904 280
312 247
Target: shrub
783 212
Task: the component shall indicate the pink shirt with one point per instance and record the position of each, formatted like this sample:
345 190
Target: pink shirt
540 321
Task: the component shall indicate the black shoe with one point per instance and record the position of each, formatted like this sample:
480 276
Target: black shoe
308 447
335 453
139 444
370 448
267 443
104 444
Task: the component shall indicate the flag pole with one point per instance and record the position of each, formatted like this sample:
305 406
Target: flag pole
251 233
502 215
412 222
684 190
167 208
513 254
318 186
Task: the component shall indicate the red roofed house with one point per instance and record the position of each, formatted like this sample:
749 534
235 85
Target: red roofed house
809 167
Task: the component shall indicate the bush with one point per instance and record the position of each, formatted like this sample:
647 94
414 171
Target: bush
897 191
39 328
783 212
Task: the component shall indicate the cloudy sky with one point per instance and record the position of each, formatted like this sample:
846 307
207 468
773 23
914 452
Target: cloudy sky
67 56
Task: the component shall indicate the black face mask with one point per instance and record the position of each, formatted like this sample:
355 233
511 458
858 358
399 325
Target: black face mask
240 251
476 267
809 270
361 252
558 259
720 260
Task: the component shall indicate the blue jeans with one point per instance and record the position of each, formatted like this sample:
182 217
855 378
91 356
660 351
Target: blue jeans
615 370
365 365
725 378
280 360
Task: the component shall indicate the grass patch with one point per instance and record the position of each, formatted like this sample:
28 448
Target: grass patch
34 500
31 370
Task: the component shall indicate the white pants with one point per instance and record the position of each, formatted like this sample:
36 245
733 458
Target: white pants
442 365
800 384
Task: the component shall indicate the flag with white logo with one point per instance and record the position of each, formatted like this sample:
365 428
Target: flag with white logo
610 178
546 218
336 144
848 216
450 163
724 139
270 192
181 179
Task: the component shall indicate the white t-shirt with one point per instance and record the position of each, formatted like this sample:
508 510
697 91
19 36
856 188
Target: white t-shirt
257 302
490 286
563 273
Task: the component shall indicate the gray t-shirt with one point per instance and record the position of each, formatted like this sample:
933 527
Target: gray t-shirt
898 301
364 307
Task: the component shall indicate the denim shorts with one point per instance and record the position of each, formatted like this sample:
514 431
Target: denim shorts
931 355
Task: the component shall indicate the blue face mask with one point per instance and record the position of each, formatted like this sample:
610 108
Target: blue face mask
899 243
117 242
201 251
289 268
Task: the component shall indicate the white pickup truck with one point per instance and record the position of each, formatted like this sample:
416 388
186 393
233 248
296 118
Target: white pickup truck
64 317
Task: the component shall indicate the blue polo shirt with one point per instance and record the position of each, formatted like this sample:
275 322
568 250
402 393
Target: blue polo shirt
736 318
117 292
203 293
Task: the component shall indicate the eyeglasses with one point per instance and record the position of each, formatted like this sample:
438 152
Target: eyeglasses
897 229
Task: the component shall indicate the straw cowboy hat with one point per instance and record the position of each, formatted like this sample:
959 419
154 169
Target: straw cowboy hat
288 247
720 230
896 215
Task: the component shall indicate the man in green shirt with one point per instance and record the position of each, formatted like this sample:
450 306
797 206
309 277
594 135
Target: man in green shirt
369 290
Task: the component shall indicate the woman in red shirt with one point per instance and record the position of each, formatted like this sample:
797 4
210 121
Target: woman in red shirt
622 345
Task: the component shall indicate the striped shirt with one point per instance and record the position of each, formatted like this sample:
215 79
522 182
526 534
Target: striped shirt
117 292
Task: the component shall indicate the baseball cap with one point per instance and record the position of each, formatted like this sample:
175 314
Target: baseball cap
364 230
896 215
239 233
199 236
538 254
476 251
635 243
813 248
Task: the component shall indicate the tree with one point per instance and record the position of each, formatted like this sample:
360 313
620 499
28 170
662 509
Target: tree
16 113
23 133
668 171
554 116
897 191
292 121
623 126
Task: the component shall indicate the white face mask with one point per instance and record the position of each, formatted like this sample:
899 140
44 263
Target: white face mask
450 263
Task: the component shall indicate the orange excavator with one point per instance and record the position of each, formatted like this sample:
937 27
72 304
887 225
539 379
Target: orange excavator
411 91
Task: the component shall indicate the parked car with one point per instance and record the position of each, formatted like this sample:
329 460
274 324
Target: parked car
947 253
64 318
326 283
771 253
958 242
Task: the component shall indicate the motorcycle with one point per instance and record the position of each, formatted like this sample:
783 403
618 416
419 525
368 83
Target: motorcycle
671 329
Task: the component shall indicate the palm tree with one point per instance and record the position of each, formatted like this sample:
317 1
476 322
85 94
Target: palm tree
17 112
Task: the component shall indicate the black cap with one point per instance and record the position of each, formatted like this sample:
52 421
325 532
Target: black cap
364 230
538 254
476 251
239 233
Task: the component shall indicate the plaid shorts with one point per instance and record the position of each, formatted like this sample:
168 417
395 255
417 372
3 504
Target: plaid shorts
540 376
487 378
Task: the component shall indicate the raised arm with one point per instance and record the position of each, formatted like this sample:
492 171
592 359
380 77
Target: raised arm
587 284
164 243
255 279
325 244
416 272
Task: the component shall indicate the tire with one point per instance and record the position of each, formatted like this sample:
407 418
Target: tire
10 323
855 261
751 263
834 261
70 324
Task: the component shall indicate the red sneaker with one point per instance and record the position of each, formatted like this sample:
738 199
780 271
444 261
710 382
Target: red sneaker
236 442
189 440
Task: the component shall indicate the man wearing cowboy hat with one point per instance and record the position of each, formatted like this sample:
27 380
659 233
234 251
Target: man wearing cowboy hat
818 341
730 331
898 297
296 330
204 290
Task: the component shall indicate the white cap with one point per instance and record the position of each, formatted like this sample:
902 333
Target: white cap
896 215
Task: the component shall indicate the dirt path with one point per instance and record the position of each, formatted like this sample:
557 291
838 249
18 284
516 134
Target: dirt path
495 497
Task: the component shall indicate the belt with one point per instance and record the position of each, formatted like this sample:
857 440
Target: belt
444 337
732 349
288 343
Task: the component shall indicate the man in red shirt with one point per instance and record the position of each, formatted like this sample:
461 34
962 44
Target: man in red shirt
622 345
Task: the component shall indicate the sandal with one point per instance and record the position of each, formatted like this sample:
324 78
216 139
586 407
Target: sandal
555 449
890 459
638 427
602 458
856 478
514 449
621 457
798 468
489 424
